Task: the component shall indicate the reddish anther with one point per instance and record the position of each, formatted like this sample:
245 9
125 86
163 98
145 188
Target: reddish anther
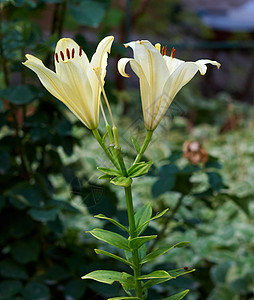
62 55
186 268
80 51
165 50
56 55
72 53
68 53
173 52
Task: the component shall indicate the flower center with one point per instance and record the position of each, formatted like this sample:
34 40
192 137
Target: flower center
69 54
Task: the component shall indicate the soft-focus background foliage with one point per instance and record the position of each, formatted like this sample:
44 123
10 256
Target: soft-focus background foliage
48 159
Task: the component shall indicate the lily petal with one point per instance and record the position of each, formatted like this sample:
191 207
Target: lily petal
47 77
52 83
75 53
179 78
202 65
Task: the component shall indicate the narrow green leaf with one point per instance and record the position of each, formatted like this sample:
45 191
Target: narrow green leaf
154 218
156 275
121 181
104 137
141 216
101 216
161 251
178 272
107 277
97 251
137 242
177 296
139 169
173 273
108 171
105 176
123 298
111 238
135 144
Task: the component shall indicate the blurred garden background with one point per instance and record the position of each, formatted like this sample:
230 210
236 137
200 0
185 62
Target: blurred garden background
48 158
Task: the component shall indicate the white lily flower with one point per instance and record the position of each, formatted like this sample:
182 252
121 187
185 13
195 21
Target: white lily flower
160 76
75 82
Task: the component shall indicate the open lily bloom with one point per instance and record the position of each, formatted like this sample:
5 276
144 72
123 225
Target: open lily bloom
160 77
75 82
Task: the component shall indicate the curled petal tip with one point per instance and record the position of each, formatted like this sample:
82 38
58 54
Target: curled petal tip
218 65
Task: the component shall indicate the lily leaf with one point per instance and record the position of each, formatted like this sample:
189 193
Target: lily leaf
172 274
104 137
101 216
156 275
137 242
154 218
108 171
105 176
108 277
161 251
141 216
123 298
135 144
97 251
139 169
121 181
111 238
177 296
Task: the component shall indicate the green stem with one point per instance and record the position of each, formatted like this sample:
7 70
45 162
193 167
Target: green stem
103 146
133 234
147 140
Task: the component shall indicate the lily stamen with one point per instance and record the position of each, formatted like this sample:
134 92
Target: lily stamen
164 50
72 53
173 51
68 53
80 50
57 57
62 55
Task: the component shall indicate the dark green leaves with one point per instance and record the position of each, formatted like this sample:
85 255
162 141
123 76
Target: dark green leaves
88 12
166 181
36 290
25 251
11 269
9 288
20 94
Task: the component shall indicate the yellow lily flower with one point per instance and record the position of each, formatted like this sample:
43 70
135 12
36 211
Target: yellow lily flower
75 82
160 76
